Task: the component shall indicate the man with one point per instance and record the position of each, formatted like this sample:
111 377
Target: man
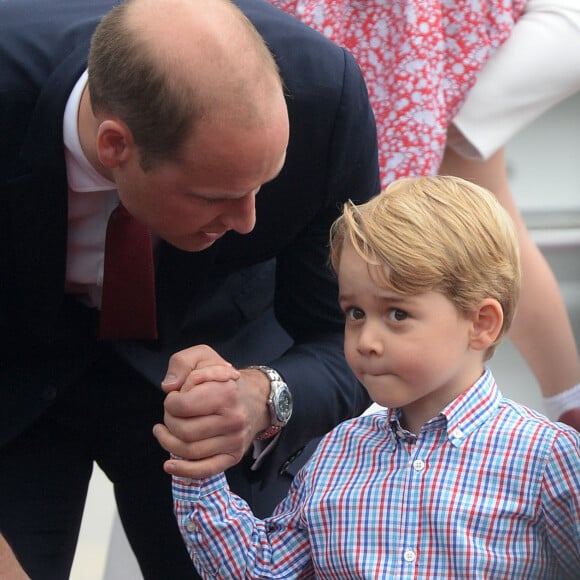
183 120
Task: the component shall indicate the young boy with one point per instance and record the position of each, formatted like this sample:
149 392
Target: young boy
452 480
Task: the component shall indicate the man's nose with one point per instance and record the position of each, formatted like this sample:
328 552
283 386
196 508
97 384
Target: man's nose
241 213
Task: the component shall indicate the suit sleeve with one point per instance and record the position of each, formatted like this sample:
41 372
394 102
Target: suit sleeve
306 300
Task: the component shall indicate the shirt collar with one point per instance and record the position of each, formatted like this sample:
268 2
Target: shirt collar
472 408
462 416
81 175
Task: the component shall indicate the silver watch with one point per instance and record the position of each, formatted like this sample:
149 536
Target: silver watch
279 402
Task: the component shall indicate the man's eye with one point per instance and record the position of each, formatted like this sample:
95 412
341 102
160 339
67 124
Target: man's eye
397 315
354 314
209 201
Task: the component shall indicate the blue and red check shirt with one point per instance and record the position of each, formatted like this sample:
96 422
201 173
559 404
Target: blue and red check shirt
488 489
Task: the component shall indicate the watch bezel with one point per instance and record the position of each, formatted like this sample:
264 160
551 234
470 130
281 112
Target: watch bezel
280 397
282 403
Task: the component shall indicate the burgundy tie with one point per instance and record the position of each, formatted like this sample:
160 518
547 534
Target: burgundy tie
128 302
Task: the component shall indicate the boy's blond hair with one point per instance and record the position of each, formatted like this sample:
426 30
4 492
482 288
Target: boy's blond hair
436 233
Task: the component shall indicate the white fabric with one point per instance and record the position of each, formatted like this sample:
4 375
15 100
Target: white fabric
91 200
557 405
536 68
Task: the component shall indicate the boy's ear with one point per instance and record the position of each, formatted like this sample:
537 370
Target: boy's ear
487 322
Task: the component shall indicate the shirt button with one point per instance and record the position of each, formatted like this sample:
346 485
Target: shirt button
418 465
49 393
409 556
190 526
457 433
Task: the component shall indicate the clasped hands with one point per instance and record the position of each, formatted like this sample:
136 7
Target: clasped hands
212 412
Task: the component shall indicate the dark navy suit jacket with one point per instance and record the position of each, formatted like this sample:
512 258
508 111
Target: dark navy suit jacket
264 298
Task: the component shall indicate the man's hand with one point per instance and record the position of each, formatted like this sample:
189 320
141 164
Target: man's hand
9 566
212 412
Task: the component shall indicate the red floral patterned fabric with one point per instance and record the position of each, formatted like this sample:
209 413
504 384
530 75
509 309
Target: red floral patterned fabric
419 59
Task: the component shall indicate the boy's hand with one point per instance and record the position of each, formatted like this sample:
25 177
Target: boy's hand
183 363
212 412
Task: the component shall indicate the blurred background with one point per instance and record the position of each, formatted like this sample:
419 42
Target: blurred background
544 162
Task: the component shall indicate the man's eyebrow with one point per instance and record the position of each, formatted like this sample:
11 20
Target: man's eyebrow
230 196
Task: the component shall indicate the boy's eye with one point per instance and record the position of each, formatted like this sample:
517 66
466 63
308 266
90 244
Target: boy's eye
397 315
354 313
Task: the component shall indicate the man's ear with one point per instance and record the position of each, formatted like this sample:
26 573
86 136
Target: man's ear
114 143
487 322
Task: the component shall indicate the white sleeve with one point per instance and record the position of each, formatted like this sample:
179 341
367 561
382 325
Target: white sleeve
537 67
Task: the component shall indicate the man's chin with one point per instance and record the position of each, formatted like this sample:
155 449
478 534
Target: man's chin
194 245
195 242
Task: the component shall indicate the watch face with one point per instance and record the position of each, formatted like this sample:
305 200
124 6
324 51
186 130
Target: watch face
283 405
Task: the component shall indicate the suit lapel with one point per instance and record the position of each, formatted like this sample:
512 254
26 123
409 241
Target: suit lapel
43 145
39 200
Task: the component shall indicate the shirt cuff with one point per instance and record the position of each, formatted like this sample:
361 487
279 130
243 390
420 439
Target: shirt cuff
186 489
261 450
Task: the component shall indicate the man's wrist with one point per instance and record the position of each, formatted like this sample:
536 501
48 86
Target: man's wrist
279 402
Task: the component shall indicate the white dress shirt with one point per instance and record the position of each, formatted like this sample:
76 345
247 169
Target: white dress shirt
91 200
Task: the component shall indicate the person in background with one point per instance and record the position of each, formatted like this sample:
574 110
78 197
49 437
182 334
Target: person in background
511 61
238 167
536 68
452 480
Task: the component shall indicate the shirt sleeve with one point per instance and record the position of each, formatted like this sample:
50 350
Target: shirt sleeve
561 501
536 68
225 540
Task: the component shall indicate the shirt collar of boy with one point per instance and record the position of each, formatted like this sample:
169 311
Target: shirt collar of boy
461 417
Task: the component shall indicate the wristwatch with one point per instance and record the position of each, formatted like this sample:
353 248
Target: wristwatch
279 402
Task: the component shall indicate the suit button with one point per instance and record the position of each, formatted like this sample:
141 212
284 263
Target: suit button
49 393
283 470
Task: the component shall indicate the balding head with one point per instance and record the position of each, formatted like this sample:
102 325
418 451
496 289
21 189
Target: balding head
165 66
